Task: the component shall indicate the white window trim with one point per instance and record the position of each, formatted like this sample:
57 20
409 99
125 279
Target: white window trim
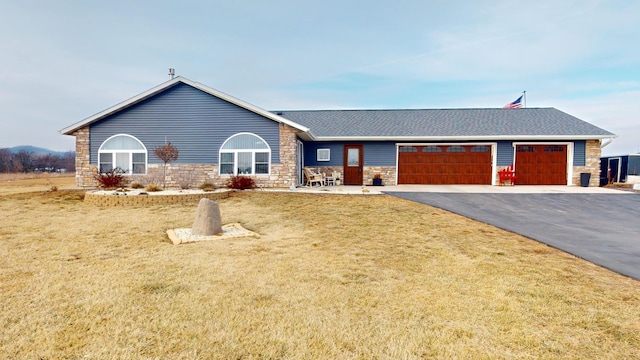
323 158
235 156
130 152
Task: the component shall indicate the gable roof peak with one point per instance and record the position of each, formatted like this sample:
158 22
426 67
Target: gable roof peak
169 84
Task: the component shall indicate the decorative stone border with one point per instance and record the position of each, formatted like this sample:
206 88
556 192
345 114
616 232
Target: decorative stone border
234 230
101 199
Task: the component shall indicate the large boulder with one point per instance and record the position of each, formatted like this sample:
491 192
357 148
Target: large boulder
208 220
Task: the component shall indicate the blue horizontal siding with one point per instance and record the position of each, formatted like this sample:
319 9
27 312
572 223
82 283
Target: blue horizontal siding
504 155
195 122
380 154
376 153
311 150
580 153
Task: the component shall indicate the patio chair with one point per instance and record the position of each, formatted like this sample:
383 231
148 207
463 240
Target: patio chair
312 177
508 174
328 180
337 177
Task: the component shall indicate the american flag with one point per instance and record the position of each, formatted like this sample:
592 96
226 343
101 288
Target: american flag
514 104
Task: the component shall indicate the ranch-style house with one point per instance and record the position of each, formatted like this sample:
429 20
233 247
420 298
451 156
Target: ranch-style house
219 136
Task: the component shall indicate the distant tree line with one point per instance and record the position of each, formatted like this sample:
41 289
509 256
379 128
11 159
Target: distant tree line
26 161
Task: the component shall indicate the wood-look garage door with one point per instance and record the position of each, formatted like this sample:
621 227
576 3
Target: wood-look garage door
444 164
541 165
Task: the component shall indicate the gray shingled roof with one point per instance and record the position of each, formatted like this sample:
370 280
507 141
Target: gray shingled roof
444 123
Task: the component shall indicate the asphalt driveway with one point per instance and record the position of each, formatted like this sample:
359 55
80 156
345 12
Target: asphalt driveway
601 228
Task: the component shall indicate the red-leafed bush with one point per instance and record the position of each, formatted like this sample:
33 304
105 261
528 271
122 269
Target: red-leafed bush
111 179
240 182
167 153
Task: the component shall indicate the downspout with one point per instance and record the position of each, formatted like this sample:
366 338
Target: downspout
604 144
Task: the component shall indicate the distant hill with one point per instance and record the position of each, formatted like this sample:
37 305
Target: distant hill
36 150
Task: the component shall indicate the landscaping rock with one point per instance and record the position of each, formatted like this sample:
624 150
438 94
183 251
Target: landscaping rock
208 220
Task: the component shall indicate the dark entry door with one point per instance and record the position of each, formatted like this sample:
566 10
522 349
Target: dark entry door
353 162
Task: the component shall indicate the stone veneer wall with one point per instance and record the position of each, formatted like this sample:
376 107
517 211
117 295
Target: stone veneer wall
288 168
592 164
387 173
182 176
84 170
192 175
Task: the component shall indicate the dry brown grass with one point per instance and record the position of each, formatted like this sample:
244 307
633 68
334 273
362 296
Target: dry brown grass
20 183
333 276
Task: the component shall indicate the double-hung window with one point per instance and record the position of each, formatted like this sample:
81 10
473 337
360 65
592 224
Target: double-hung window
245 154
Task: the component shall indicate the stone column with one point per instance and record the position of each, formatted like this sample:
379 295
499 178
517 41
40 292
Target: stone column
288 147
84 170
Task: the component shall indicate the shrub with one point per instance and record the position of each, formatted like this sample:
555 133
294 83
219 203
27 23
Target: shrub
111 179
153 187
186 182
136 185
207 186
53 188
240 182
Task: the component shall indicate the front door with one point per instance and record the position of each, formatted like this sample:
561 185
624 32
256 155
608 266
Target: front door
353 162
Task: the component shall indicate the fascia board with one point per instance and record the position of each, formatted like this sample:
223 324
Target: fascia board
463 138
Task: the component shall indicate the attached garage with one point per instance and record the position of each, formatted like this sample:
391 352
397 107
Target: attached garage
453 146
444 164
541 164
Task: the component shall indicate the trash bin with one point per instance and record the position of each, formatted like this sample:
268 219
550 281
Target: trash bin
584 179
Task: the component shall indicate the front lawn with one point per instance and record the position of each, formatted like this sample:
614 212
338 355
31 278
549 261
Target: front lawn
331 277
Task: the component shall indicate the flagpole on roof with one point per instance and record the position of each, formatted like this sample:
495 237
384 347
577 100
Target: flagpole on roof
524 93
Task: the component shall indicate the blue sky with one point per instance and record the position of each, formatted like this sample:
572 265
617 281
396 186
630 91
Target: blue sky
62 61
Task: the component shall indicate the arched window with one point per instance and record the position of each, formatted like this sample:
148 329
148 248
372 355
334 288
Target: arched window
245 154
125 152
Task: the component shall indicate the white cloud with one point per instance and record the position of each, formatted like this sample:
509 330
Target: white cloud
616 113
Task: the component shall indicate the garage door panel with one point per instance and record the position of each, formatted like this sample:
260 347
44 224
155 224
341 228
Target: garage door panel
455 164
541 164
556 168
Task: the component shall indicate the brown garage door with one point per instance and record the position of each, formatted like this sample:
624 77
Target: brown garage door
541 164
444 164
